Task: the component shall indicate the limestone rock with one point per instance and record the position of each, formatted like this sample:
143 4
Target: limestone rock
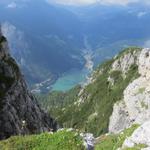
119 119
144 63
140 136
135 106
89 140
124 63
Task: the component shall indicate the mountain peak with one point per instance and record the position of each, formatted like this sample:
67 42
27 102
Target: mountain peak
4 50
19 110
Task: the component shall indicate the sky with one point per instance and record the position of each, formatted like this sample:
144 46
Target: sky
13 3
104 2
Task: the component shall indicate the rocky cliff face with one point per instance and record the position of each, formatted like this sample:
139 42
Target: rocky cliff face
19 110
134 108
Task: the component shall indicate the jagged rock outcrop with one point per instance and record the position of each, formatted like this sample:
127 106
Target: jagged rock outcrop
134 108
125 61
19 110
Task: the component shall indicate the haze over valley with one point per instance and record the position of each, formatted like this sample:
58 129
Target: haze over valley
74 75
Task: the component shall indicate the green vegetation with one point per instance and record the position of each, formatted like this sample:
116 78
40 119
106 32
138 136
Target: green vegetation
56 101
61 140
129 50
98 98
114 141
136 147
57 98
143 105
141 90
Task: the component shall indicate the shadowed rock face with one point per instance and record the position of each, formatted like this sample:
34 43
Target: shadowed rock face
19 110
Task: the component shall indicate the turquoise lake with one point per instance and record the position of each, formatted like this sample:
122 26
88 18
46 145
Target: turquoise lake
70 79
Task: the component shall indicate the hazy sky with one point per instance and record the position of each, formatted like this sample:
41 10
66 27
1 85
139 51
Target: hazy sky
13 3
105 2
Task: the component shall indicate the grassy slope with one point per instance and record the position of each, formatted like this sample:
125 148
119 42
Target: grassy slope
62 140
55 101
93 115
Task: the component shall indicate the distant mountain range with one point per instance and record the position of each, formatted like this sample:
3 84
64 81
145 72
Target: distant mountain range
48 40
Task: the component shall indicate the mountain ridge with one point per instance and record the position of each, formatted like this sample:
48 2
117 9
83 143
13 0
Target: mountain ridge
19 111
114 105
94 101
123 80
